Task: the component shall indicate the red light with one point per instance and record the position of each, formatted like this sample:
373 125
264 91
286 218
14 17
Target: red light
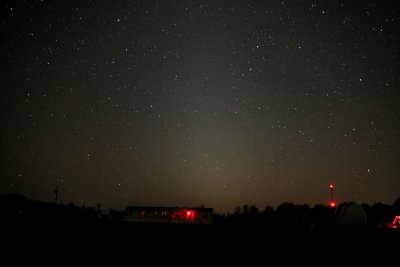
331 186
332 204
189 215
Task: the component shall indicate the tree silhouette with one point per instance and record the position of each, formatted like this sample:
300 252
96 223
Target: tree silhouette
268 209
245 209
237 210
253 210
396 206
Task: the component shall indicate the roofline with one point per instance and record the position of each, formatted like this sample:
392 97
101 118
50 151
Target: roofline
168 208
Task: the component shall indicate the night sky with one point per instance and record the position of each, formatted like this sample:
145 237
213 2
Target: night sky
189 103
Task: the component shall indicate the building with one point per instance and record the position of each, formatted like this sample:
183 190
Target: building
139 214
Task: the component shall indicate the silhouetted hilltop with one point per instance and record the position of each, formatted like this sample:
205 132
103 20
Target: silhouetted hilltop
18 208
31 220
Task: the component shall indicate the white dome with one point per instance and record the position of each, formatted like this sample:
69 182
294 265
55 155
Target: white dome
350 213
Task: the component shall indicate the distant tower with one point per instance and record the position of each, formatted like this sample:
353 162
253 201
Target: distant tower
332 203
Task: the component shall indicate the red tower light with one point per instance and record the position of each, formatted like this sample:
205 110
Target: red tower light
332 203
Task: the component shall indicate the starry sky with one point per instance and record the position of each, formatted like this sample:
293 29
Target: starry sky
188 103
